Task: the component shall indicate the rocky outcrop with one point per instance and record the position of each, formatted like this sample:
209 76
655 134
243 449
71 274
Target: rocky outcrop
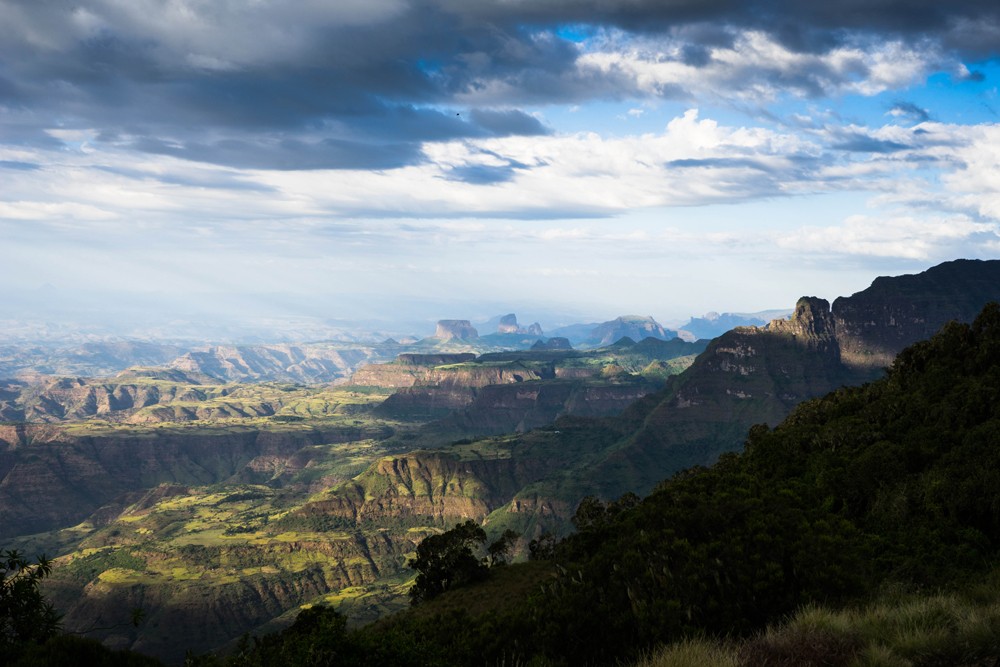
437 486
455 329
754 375
499 409
508 325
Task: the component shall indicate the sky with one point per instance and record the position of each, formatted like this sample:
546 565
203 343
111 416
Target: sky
426 159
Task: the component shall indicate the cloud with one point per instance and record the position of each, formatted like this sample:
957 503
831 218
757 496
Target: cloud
231 83
19 166
289 154
910 111
861 143
930 238
503 123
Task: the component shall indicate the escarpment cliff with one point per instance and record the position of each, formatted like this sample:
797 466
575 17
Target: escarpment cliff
874 325
213 593
753 375
518 408
436 487
50 478
453 370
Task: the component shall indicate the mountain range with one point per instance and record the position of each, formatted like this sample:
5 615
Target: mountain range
225 522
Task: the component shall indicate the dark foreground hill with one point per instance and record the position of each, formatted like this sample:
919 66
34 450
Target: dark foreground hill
895 483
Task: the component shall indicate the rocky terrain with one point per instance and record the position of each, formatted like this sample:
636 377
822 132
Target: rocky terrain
460 329
508 325
516 391
220 525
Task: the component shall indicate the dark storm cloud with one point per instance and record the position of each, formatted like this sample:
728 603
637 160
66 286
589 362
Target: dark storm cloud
507 123
967 25
362 85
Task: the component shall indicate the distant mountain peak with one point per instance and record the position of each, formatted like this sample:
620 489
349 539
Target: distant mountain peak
508 325
455 329
635 327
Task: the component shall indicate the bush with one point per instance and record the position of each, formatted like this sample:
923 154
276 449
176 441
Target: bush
25 616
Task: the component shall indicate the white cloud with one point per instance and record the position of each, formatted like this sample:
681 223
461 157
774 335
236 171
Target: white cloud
758 68
901 236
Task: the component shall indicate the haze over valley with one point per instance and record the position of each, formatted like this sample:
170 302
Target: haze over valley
430 333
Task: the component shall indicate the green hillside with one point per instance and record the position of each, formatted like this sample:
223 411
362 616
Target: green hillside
890 486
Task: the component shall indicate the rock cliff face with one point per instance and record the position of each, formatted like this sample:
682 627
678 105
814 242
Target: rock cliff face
460 329
498 409
402 374
752 375
875 324
197 597
436 486
508 325
50 478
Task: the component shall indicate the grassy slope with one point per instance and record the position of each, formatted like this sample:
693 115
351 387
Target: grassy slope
887 485
180 543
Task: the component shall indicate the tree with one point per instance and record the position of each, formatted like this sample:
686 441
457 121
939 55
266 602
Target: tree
499 551
446 560
543 547
25 616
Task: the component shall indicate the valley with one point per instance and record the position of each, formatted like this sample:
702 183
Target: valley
221 507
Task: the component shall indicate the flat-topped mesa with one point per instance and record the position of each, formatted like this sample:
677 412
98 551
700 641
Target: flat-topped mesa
442 359
408 369
460 329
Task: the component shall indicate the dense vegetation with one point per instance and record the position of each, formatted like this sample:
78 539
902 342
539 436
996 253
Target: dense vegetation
869 491
896 483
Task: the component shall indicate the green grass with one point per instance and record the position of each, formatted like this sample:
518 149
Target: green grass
507 585
691 653
897 630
